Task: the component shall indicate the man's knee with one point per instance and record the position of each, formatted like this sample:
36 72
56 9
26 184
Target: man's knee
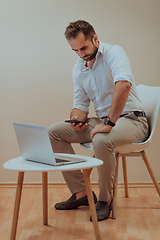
53 127
102 142
54 130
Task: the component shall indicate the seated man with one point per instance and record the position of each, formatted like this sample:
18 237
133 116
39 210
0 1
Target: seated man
102 74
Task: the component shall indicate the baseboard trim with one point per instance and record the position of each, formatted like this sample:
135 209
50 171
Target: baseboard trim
62 185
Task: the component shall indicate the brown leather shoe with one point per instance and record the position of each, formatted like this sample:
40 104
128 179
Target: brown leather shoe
73 203
102 210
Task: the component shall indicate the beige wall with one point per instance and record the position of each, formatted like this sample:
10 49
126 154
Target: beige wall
36 65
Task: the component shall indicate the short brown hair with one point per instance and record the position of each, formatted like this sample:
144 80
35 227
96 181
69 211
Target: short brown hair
74 28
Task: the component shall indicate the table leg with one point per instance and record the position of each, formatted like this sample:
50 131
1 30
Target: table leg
45 197
17 205
86 174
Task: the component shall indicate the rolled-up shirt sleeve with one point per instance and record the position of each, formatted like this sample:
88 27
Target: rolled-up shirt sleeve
119 64
80 98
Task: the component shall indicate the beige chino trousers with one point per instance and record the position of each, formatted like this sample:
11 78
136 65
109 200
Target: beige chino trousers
128 129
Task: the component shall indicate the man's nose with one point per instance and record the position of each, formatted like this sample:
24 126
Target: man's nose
81 53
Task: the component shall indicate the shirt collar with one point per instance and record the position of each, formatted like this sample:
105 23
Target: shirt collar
100 48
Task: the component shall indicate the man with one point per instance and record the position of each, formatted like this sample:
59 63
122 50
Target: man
102 74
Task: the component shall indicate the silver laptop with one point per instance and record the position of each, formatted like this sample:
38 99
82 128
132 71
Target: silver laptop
35 145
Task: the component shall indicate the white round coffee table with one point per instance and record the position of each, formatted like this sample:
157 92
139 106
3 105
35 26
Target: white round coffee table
21 165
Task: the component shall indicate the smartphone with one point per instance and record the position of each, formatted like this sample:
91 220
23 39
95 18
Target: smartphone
75 121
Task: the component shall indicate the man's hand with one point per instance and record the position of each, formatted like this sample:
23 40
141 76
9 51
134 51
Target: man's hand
100 128
78 127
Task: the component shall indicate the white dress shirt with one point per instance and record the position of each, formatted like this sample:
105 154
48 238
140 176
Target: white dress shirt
97 84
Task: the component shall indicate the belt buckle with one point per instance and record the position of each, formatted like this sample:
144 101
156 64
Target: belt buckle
137 113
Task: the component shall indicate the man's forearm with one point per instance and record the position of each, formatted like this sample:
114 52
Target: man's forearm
120 95
81 115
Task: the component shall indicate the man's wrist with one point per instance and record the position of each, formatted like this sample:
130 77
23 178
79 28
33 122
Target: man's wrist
107 121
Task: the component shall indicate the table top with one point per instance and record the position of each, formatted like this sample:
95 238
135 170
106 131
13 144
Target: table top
22 165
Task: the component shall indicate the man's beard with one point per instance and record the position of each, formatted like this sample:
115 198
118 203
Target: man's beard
90 57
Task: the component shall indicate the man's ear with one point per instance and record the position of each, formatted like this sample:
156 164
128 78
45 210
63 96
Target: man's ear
95 40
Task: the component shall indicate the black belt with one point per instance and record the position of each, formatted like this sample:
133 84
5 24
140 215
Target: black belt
136 113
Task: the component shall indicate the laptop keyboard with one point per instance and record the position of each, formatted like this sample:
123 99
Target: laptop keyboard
58 160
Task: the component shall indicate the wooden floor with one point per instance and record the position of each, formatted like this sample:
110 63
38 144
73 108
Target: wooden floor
138 217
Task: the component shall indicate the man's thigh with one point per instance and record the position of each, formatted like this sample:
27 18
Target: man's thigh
126 131
62 131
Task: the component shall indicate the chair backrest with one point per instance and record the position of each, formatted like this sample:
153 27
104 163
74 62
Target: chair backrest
150 98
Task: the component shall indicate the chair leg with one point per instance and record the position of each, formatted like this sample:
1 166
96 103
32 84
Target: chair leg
17 205
86 175
45 197
150 171
115 188
125 176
